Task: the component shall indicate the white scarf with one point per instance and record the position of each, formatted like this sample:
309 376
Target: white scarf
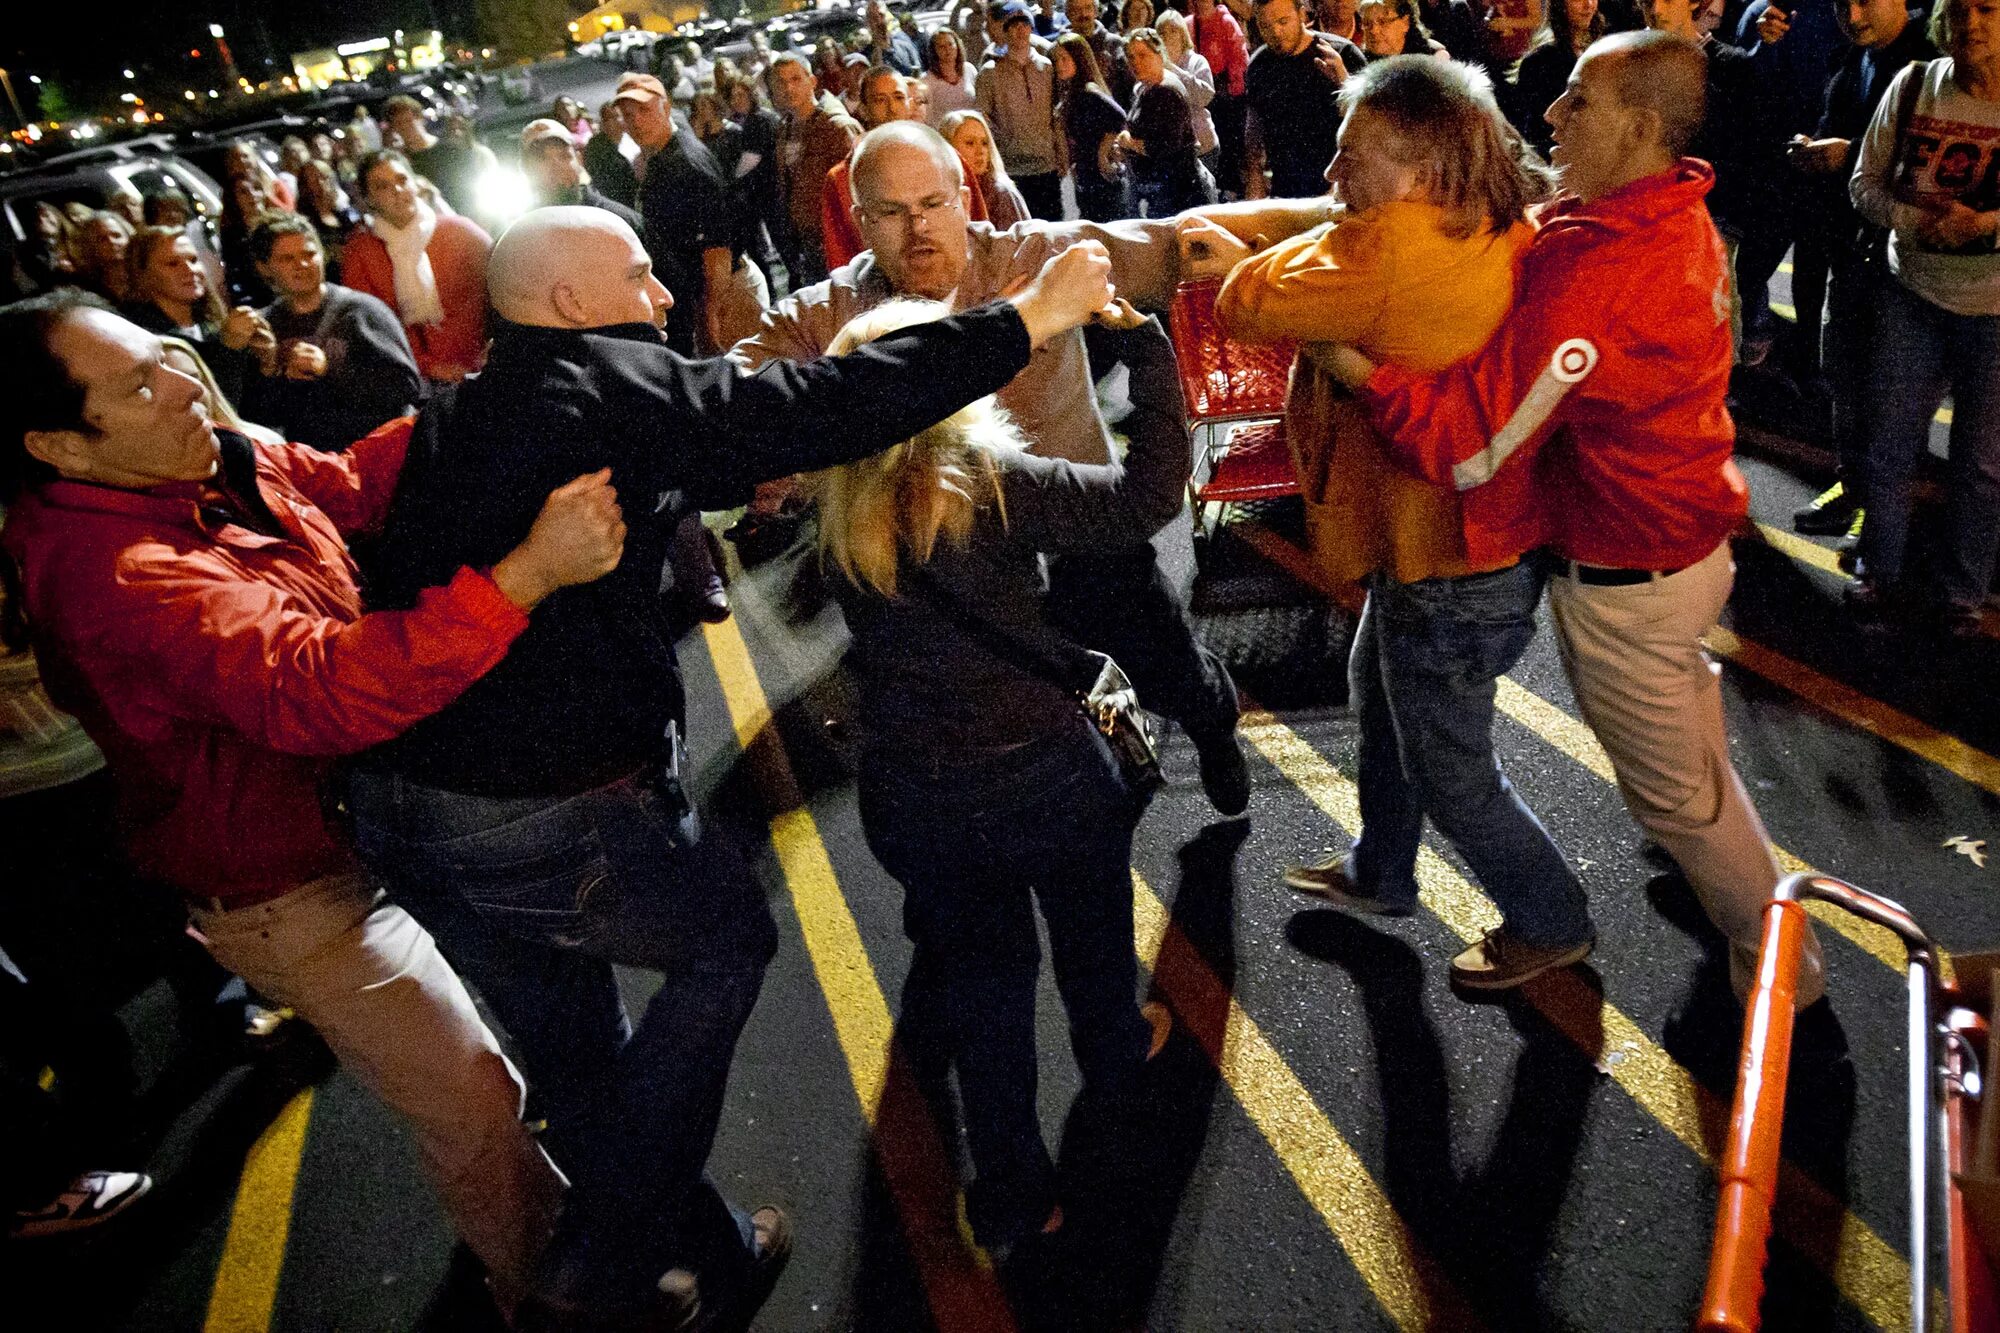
416 282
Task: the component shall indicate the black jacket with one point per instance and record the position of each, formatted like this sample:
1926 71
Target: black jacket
585 694
1852 96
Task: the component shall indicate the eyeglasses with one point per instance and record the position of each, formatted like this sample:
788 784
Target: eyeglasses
925 212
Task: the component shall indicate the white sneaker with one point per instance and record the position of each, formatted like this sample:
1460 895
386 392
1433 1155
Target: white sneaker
92 1197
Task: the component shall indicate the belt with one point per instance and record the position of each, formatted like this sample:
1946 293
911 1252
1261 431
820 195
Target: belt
1601 577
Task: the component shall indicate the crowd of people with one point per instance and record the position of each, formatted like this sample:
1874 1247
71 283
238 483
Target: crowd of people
322 608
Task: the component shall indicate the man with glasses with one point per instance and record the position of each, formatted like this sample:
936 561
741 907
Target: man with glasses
910 202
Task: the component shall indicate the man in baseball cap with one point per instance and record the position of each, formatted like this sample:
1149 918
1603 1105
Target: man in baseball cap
684 199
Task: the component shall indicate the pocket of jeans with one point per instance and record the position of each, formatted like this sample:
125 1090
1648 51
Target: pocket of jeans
541 878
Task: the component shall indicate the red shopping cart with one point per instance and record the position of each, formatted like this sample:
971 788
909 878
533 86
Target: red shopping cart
1235 394
1951 1281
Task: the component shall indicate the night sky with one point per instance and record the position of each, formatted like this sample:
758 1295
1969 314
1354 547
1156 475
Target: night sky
85 47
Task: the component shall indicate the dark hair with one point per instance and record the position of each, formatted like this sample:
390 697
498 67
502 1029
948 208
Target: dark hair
401 102
375 159
1559 29
1080 55
139 254
932 64
160 199
45 396
265 235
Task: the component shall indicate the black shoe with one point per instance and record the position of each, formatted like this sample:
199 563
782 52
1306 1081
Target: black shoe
1830 514
1868 603
1225 774
1847 555
711 601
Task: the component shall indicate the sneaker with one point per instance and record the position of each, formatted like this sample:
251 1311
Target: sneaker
1868 603
93 1197
1225 774
1328 879
1501 962
1830 514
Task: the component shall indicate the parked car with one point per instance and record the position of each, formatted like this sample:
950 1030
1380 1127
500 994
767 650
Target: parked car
90 177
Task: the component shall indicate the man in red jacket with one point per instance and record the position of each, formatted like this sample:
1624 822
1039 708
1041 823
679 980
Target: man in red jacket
1597 415
193 603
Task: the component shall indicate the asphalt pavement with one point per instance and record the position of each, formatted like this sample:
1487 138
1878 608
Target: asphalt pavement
1338 1142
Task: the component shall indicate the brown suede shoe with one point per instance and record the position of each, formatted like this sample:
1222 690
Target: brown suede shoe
1502 962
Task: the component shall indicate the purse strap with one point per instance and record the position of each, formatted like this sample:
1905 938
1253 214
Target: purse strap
1002 643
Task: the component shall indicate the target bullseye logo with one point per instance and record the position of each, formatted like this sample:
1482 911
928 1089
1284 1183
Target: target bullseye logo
1573 360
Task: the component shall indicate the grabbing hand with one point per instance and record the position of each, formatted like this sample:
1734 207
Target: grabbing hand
1208 249
1327 60
579 536
1772 25
304 361
1071 287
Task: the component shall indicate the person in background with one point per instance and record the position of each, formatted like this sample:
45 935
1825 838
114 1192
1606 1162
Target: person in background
170 295
1417 270
1159 142
292 157
1106 45
948 77
758 192
1091 121
1219 38
445 164
169 207
1135 14
1454 25
608 160
1016 803
1886 37
1016 90
181 355
1392 28
1544 71
1293 86
324 204
1197 82
568 113
1937 329
972 138
126 201
99 261
475 163
815 135
885 97
429 269
749 291
854 69
691 230
829 67
887 43
193 604
344 365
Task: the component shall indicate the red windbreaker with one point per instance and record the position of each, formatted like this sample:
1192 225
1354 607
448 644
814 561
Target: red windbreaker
220 669
1616 358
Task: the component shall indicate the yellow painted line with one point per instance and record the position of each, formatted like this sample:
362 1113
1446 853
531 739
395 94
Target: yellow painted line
963 1294
1851 705
253 1255
1826 560
1783 311
1413 1290
1575 739
1944 416
1871 1274
1784 266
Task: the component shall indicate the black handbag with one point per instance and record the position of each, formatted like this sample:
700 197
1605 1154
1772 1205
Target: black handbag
1108 702
1871 243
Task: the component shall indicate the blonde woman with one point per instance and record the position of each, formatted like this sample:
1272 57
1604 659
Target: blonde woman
983 789
972 138
182 355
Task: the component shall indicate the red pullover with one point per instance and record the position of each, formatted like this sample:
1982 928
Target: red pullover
1595 419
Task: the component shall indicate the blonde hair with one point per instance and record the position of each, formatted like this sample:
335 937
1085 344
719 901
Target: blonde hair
876 510
221 411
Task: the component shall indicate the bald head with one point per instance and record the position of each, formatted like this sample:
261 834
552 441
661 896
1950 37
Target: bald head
1660 73
570 267
899 141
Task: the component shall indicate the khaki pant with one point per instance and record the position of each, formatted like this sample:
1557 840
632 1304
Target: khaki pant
368 977
1649 691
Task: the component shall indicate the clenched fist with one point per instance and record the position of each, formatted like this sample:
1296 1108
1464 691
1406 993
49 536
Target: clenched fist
578 537
1071 287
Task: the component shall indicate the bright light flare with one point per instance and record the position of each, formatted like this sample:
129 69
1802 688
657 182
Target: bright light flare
503 193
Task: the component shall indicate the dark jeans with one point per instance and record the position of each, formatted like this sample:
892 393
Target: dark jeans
1923 352
532 900
1103 201
1042 193
1421 683
1120 603
977 847
1847 344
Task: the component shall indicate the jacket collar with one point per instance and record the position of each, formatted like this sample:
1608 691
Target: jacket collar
191 505
508 336
1643 201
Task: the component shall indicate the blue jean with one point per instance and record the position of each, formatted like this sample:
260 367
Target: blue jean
1421 684
532 900
1922 352
977 846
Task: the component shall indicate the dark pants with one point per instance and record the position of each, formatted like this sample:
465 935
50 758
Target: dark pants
533 900
44 1152
1228 113
1923 352
1847 339
1119 602
1042 192
977 847
1421 683
1103 201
